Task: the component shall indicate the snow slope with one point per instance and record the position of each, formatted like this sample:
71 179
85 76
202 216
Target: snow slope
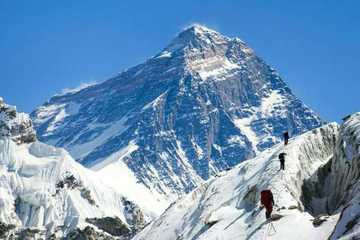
205 103
44 188
226 207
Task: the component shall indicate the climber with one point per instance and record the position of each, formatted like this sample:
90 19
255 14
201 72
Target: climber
286 138
267 200
282 160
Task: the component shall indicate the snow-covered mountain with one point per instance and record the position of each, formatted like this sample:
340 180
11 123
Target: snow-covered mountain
203 104
46 193
316 197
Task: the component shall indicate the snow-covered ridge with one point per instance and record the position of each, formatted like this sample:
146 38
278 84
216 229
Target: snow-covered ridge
225 207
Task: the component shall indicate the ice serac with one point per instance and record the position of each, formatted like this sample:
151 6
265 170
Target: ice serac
335 188
345 180
44 192
205 103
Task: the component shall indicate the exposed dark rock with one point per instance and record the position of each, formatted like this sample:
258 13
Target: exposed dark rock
70 182
5 230
86 194
30 234
88 233
134 216
318 221
111 225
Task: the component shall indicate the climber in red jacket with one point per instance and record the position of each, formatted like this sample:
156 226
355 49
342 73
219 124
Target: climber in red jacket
267 200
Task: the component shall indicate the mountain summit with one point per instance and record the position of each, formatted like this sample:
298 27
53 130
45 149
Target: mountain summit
196 36
205 103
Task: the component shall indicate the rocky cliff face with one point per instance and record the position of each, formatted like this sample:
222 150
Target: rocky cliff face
202 105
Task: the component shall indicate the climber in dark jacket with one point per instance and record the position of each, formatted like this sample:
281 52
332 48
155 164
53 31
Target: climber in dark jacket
286 138
267 200
282 160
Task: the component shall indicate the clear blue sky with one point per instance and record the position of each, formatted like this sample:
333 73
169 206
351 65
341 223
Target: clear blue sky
48 45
